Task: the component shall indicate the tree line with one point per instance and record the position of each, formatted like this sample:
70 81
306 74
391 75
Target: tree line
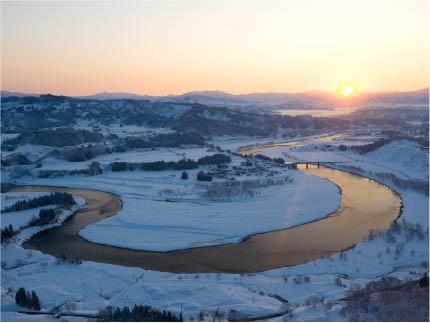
63 199
165 140
56 138
78 154
138 313
277 160
182 164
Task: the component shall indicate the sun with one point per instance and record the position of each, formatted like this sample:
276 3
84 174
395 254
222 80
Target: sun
346 90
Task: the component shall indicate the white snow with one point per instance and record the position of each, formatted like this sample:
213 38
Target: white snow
403 155
10 198
92 285
159 225
149 222
134 156
19 219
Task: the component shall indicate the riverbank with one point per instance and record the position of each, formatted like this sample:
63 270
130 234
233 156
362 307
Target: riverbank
91 285
358 216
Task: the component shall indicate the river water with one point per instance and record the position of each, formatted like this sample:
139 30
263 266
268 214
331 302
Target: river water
296 143
366 206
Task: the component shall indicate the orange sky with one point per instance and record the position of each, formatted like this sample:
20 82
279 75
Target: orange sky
171 47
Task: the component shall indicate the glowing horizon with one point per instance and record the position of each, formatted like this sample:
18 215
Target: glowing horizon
173 47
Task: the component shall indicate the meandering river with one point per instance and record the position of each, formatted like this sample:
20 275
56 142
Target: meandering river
366 206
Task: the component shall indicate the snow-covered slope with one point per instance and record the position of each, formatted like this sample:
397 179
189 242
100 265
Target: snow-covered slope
308 99
404 154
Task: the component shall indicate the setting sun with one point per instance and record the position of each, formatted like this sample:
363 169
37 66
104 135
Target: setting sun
346 90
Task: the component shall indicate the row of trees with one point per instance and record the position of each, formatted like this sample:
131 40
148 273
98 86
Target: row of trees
63 199
138 313
277 160
157 166
79 154
56 138
26 299
182 164
95 168
214 159
165 140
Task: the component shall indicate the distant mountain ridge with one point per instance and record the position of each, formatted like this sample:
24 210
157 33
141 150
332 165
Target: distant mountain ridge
115 96
23 114
5 94
302 100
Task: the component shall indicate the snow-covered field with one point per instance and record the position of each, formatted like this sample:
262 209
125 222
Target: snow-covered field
154 224
404 156
7 199
148 221
153 219
135 156
119 129
19 219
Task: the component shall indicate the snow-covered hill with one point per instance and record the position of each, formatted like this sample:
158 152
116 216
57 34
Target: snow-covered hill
403 154
302 100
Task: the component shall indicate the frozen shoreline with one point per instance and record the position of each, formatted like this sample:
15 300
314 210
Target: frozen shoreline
149 222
